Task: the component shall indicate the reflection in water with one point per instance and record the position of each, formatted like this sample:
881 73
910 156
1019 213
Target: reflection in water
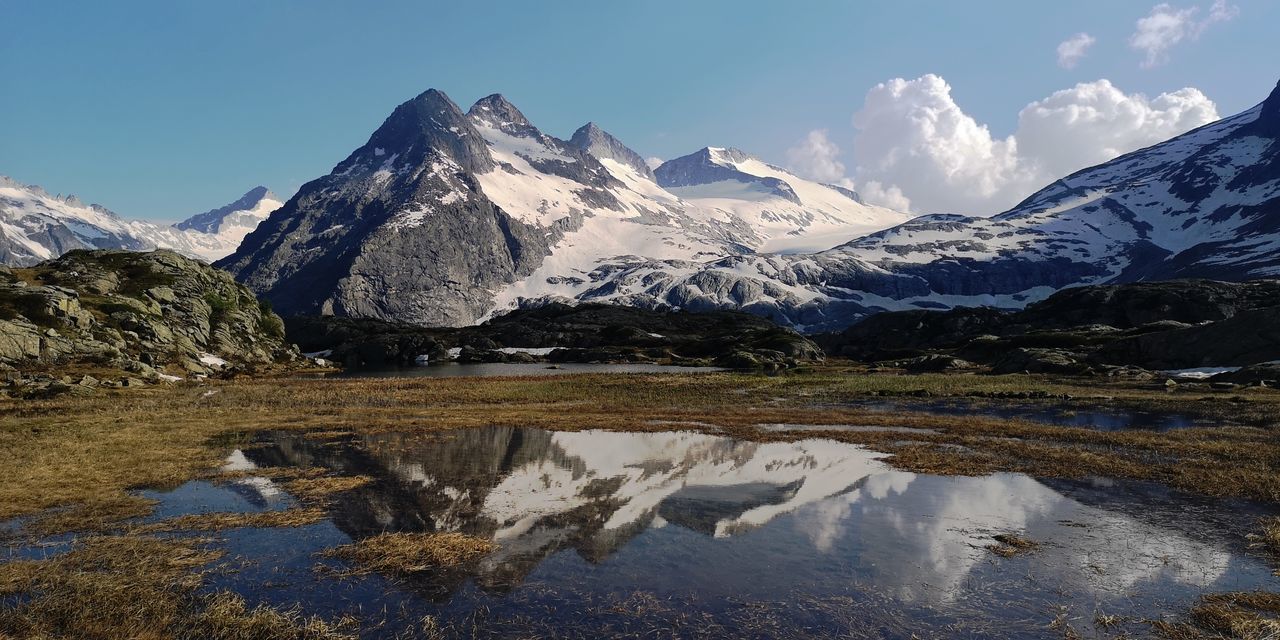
708 521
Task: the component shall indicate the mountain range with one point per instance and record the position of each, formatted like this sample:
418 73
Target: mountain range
36 226
446 217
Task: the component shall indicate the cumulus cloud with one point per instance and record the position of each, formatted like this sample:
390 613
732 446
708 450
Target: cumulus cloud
1073 49
916 149
653 161
1167 26
912 136
817 157
1095 121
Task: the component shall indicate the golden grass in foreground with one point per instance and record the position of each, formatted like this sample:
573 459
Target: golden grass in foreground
404 554
136 587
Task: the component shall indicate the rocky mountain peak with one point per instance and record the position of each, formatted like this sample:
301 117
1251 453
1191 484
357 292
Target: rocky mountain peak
599 143
716 164
498 112
726 155
1268 122
429 122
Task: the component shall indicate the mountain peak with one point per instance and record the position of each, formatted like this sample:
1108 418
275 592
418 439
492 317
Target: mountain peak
430 121
499 111
718 164
723 155
599 143
251 203
1268 122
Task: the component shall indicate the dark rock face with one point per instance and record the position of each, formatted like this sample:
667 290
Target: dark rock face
581 333
143 313
398 230
1133 305
599 143
1248 337
1152 325
884 335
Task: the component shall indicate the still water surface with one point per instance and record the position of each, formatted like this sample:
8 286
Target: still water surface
681 534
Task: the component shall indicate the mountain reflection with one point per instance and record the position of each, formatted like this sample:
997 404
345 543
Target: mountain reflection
915 538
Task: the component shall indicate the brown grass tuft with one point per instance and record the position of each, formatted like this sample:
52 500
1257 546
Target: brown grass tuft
1008 545
109 587
318 490
404 554
219 521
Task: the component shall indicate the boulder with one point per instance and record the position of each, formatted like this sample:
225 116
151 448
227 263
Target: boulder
1040 361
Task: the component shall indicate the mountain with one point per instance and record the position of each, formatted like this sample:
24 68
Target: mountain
447 217
36 226
231 223
1205 204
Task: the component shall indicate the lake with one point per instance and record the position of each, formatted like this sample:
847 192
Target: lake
686 534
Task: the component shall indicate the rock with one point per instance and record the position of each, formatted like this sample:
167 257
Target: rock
19 342
1261 374
895 333
132 382
1247 337
1032 360
933 363
583 333
120 320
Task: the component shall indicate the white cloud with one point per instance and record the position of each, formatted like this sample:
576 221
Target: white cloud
1094 122
916 149
653 161
1166 26
875 192
816 156
912 136
1071 50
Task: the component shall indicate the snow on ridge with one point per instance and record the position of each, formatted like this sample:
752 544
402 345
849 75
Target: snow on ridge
29 214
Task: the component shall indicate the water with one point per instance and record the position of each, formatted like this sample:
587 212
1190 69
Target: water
485 370
688 534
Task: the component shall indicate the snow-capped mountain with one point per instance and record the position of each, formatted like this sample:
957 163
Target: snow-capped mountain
790 213
446 217
231 223
1204 204
36 226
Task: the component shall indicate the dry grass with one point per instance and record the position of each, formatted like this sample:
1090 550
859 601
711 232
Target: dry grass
1253 615
135 587
1268 538
318 490
404 554
219 521
1008 545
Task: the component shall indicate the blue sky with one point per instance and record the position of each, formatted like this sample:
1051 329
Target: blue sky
162 109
